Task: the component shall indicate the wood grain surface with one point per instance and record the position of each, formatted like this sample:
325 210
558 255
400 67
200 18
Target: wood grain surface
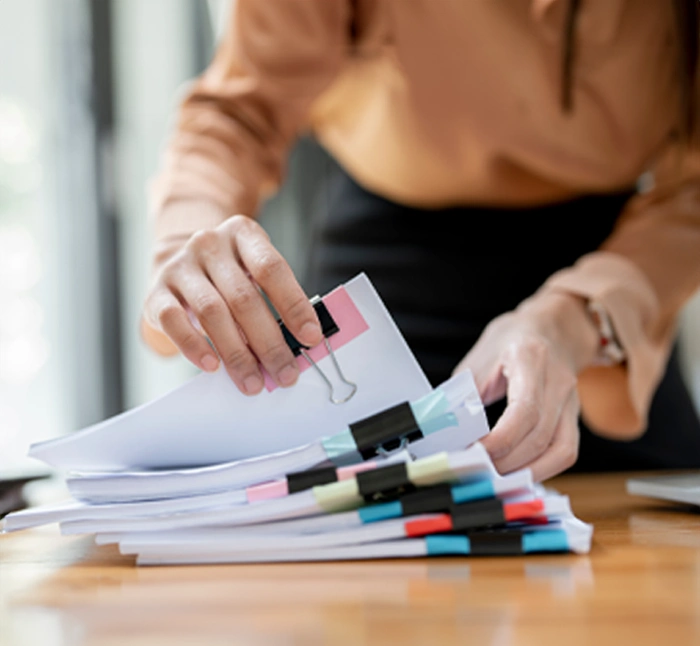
639 585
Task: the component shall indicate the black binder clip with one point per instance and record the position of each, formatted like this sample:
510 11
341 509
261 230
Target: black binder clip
385 432
385 483
328 327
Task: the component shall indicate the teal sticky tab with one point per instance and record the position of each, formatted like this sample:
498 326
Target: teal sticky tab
339 444
547 540
439 544
434 424
477 490
386 510
431 405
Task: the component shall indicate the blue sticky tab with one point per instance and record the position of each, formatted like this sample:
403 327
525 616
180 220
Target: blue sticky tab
386 510
338 445
439 544
431 405
477 490
548 540
434 424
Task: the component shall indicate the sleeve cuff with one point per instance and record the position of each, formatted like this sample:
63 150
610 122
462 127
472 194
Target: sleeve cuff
615 400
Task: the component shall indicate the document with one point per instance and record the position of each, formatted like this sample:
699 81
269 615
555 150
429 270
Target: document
208 420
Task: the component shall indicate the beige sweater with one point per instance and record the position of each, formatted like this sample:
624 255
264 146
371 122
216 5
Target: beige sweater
443 102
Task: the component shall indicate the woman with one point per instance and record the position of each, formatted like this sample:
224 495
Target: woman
490 153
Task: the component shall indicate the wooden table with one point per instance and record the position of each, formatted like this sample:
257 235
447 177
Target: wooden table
640 585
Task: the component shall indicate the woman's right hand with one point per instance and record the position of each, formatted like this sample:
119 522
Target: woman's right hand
215 277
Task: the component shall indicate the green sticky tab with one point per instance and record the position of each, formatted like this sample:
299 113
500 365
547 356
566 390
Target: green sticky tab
431 470
338 496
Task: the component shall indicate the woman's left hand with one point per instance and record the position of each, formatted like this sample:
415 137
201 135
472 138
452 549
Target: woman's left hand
532 356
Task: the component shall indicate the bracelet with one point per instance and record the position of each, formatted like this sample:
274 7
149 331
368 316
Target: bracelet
610 351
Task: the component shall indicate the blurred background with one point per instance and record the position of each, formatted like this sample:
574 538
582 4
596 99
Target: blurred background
88 90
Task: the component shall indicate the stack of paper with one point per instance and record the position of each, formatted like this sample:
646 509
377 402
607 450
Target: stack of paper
361 459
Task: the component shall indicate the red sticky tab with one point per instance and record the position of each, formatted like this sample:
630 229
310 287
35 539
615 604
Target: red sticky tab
538 520
441 523
519 510
350 325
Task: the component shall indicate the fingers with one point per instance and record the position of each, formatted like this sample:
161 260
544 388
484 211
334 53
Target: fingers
243 302
538 388
217 276
156 340
488 374
164 312
272 273
213 314
563 451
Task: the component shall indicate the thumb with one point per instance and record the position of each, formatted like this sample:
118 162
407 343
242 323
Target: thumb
488 377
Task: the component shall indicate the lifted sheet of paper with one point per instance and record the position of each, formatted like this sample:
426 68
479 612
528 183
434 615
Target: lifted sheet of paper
208 421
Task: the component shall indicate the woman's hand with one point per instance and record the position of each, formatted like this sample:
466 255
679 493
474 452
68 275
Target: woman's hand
533 356
213 277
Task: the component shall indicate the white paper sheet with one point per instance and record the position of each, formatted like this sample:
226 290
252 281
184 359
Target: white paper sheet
207 420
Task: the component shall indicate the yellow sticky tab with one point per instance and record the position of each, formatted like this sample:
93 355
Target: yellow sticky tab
338 496
431 470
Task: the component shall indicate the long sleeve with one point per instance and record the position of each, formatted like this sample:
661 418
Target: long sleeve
239 119
643 275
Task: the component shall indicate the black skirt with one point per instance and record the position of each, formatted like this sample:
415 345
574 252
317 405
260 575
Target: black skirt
444 274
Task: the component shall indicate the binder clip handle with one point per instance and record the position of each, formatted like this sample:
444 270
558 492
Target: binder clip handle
328 327
351 384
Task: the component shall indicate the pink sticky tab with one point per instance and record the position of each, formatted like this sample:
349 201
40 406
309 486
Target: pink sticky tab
350 325
267 491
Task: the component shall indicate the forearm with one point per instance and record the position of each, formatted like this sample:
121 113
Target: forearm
238 120
178 220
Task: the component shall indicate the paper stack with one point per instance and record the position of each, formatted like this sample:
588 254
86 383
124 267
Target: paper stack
394 469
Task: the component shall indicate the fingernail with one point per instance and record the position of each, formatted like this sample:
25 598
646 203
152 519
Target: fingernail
253 384
210 363
310 334
288 375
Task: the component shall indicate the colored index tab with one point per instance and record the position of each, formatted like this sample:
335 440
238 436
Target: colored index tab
424 526
520 510
476 490
431 470
547 540
444 545
338 496
382 511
